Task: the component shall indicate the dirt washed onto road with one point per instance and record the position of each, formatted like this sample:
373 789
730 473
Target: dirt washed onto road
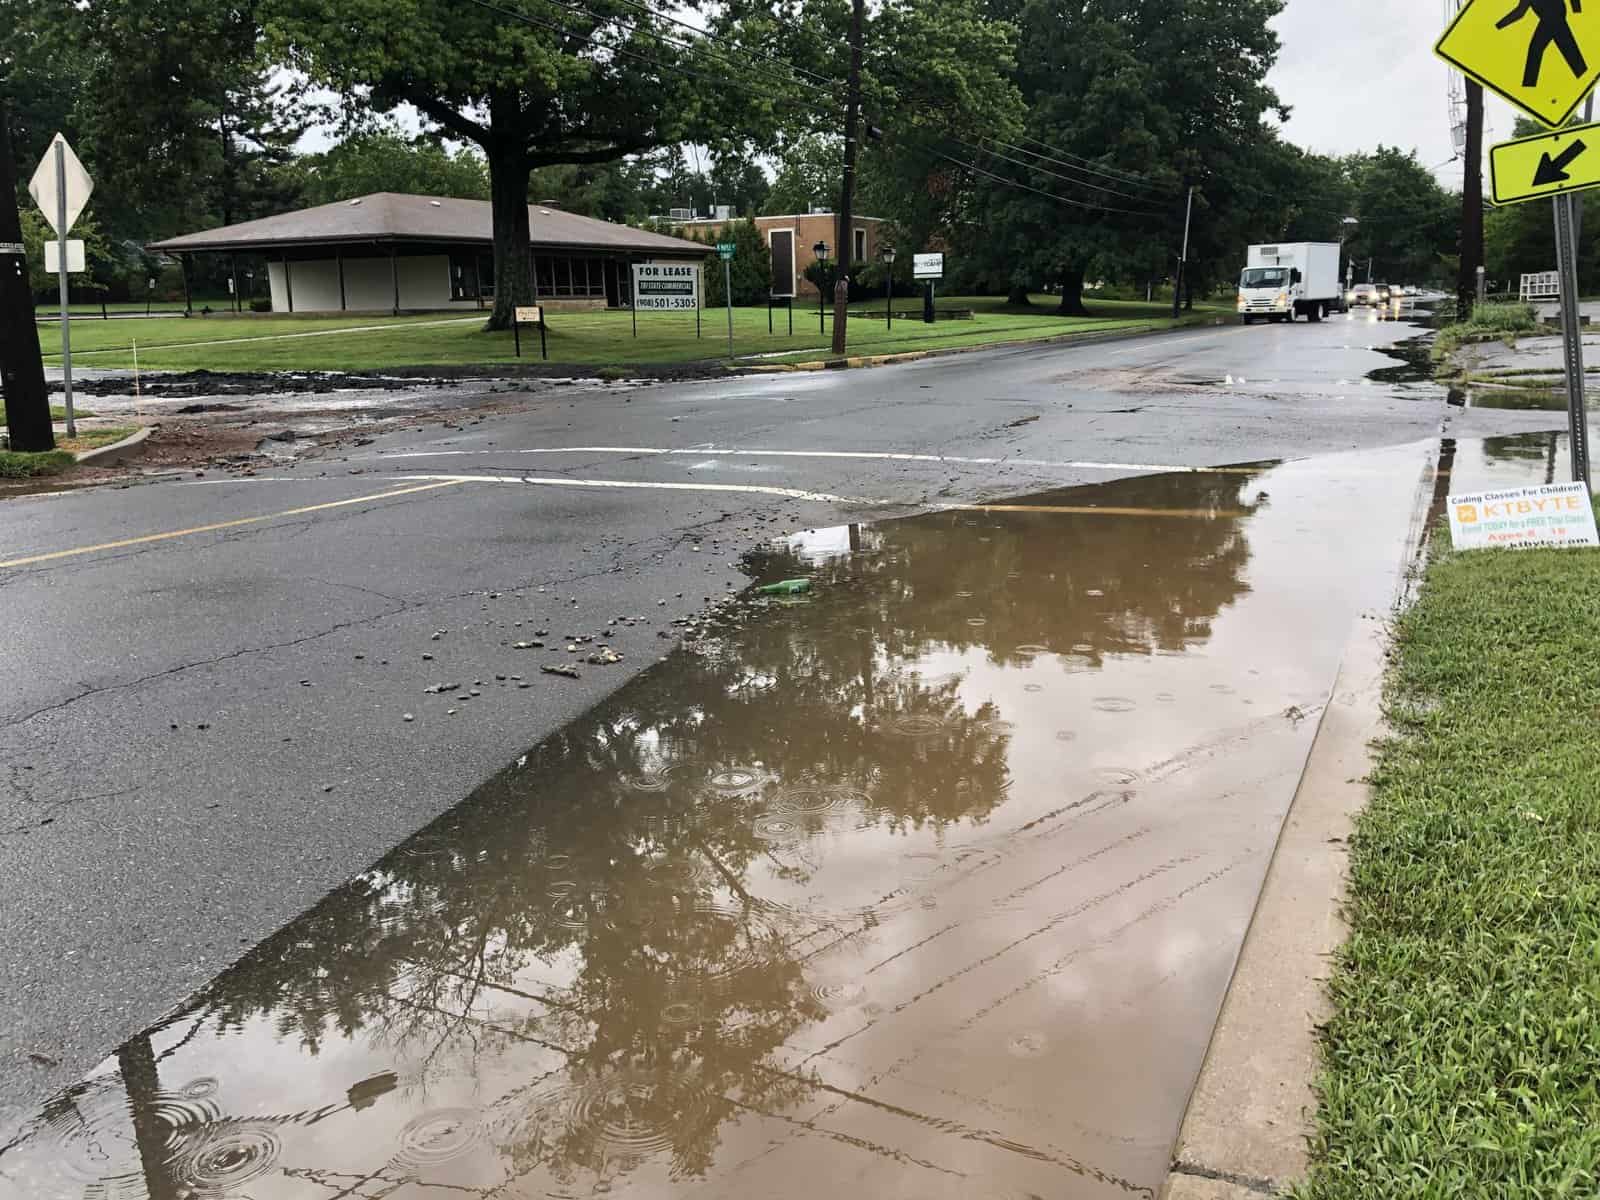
927 884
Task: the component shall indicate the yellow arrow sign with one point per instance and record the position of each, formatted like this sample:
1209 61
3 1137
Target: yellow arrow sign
1542 55
1547 164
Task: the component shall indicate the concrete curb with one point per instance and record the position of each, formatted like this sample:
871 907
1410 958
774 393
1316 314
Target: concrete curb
129 447
1247 1129
884 360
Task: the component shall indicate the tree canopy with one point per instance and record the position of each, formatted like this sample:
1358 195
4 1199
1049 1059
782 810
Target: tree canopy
590 85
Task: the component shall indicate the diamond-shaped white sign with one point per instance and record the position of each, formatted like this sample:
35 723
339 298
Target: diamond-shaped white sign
46 193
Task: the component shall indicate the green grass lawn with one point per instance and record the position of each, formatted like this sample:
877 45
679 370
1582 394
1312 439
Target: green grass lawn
58 412
1464 1057
227 343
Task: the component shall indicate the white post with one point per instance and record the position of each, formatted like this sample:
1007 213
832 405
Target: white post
61 278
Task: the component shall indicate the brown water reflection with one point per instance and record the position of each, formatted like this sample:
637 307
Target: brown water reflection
929 886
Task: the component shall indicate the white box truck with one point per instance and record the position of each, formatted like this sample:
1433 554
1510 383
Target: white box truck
1291 279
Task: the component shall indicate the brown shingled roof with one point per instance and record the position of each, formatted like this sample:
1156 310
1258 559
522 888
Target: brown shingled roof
394 217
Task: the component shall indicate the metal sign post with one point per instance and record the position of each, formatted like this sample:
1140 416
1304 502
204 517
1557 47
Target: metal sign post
61 281
726 251
1572 333
61 187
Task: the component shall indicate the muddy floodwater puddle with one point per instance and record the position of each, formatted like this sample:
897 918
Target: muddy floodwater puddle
862 897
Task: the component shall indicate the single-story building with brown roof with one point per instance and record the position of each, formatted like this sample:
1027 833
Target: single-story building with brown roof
390 252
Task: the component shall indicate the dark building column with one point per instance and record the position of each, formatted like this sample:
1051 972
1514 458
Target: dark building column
340 259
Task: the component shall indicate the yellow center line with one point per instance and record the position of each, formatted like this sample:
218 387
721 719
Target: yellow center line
216 525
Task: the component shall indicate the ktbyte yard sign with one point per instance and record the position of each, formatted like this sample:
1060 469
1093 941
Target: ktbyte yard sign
1557 514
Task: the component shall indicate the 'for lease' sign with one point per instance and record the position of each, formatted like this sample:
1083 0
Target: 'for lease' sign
666 287
1557 514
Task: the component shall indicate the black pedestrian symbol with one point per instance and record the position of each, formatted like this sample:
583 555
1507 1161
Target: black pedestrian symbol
1553 29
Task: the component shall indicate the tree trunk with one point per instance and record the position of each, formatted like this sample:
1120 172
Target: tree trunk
513 257
21 365
1017 296
1072 293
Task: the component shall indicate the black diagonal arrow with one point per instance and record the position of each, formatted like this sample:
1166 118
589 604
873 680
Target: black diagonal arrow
1554 170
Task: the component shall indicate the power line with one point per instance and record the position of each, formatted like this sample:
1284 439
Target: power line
1089 164
702 38
1046 171
706 33
1012 183
556 28
1117 177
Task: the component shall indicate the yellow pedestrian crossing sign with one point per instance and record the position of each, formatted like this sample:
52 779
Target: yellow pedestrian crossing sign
1548 164
1542 55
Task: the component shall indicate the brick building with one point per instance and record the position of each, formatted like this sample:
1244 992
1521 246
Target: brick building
790 240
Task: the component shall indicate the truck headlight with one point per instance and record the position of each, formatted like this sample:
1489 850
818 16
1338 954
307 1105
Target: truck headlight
1283 298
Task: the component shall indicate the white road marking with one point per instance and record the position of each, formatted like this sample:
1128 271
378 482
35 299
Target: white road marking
562 481
875 455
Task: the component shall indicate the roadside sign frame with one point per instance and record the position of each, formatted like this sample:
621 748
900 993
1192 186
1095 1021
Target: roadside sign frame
694 276
1478 72
924 266
1553 138
529 314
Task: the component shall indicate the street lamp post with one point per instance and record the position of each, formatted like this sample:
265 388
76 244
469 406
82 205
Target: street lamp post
821 251
1349 267
888 262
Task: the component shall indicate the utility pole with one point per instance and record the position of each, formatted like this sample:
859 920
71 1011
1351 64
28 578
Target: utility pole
21 364
1183 259
852 119
1471 205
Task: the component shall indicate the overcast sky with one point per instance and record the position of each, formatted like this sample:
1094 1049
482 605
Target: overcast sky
1361 72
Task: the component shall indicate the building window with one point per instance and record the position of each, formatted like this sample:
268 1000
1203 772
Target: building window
861 246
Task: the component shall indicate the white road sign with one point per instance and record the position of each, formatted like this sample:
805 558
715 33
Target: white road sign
1557 514
666 287
927 266
52 257
46 193
12 248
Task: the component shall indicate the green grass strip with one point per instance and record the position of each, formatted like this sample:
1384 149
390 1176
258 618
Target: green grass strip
1464 1058
19 464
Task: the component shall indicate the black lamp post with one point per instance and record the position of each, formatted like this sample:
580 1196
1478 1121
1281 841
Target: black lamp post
888 262
821 251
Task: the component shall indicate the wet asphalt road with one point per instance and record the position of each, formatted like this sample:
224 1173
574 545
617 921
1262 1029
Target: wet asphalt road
202 731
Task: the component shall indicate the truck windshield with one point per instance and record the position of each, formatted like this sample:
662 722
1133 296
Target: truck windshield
1264 277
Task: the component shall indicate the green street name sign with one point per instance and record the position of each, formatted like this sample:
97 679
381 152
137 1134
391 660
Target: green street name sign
725 249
